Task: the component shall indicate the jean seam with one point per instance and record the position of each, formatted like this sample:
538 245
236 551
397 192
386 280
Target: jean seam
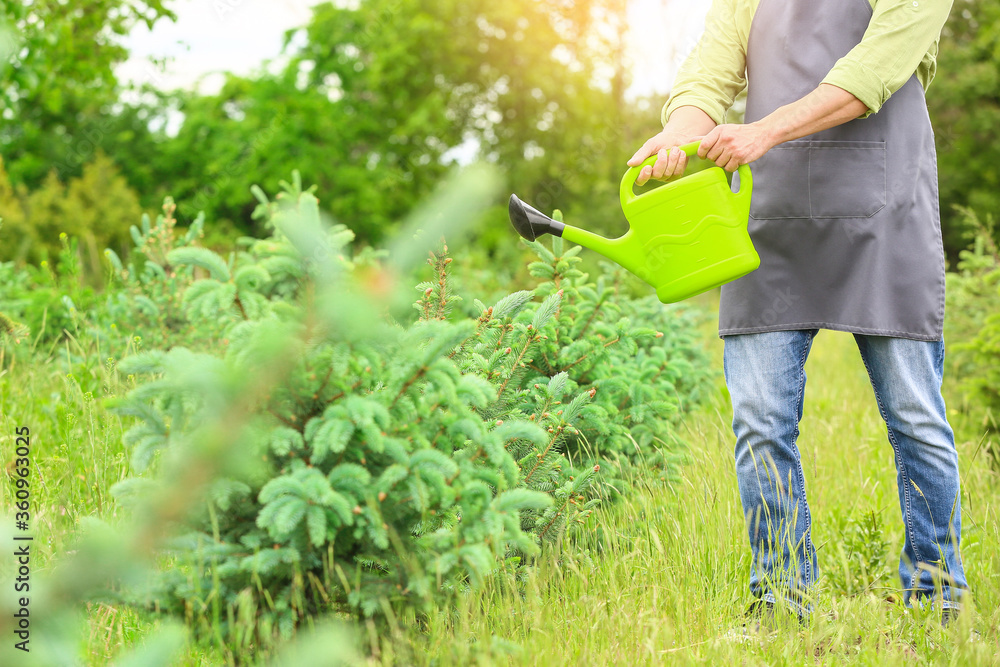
798 462
902 471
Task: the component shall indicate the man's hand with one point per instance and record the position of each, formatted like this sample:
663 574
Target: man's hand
686 124
730 146
670 160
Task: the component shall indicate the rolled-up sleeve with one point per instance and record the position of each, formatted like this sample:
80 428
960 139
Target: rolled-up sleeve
714 73
901 34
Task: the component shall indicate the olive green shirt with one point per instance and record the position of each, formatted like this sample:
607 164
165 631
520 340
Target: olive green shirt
901 39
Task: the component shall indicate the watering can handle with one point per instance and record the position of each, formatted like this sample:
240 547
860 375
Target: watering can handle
691 149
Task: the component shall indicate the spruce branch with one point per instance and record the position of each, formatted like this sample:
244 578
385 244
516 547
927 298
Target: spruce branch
554 518
344 392
593 314
409 382
484 318
504 328
607 344
541 457
239 304
285 420
322 385
441 263
517 362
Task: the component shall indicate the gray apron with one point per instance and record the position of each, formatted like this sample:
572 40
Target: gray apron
846 220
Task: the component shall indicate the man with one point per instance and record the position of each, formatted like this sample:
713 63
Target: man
845 218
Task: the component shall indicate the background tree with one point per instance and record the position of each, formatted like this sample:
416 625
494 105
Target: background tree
380 99
59 82
964 103
97 207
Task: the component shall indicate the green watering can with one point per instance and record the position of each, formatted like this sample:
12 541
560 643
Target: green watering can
685 237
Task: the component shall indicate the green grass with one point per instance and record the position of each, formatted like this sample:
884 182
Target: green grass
657 578
666 574
76 446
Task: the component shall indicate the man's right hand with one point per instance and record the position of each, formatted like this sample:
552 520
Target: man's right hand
686 124
670 160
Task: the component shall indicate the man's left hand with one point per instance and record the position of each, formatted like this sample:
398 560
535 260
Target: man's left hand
730 146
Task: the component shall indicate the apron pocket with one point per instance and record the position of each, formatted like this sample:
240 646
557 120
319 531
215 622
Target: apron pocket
781 183
846 178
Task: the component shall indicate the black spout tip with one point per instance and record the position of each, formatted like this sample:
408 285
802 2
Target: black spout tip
529 222
519 218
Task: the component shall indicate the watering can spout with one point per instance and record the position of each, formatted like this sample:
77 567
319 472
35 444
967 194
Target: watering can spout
685 237
531 223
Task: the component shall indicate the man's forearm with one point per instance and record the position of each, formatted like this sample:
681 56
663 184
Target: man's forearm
690 121
825 107
729 146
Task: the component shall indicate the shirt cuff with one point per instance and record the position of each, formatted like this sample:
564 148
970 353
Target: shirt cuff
860 81
706 104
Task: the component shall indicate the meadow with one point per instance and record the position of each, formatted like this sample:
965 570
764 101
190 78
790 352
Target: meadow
658 577
296 394
664 577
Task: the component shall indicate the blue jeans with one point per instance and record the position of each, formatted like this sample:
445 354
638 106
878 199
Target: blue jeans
766 380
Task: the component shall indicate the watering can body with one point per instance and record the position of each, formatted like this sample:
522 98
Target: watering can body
685 237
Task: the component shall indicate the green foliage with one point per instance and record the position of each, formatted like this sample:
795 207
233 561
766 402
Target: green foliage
569 362
963 103
857 565
144 298
52 302
383 465
141 300
97 208
395 463
12 328
973 324
57 78
372 103
638 359
373 492
376 95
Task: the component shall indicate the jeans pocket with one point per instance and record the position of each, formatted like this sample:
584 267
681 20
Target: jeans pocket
847 179
781 183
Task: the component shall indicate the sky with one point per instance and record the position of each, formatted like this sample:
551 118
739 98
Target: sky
212 36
